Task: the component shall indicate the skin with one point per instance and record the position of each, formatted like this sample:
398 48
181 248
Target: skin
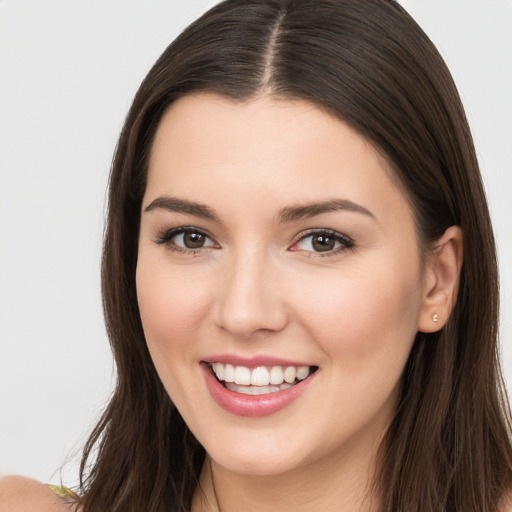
21 494
258 286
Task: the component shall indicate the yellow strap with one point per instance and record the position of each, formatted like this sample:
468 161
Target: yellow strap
62 491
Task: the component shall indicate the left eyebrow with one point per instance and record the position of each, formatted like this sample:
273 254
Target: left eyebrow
293 213
175 204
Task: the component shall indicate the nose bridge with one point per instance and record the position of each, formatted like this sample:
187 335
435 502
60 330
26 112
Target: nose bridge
249 299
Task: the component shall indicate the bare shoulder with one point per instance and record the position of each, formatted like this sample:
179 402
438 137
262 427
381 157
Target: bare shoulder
21 494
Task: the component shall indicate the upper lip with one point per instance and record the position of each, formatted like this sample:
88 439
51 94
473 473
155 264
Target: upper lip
253 361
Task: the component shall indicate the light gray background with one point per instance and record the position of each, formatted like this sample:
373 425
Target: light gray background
68 72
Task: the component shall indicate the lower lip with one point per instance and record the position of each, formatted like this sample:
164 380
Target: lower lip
252 405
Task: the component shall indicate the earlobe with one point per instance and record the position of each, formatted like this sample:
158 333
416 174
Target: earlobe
441 281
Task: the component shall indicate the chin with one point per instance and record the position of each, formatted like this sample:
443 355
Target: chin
257 464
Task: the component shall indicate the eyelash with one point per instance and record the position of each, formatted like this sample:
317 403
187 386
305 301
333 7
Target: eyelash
346 242
166 237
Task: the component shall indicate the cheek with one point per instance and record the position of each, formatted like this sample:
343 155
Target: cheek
359 316
172 307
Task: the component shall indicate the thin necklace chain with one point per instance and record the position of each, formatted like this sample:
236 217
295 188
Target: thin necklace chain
214 490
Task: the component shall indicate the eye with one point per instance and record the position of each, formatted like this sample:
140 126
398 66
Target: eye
323 241
186 239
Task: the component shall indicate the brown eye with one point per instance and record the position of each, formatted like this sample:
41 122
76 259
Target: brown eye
193 240
185 239
323 243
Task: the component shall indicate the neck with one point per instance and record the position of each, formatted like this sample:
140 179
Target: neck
340 482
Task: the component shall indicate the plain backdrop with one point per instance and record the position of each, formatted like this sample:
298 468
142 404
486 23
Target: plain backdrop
68 72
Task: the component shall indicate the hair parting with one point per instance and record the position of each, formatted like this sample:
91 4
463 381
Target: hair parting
370 65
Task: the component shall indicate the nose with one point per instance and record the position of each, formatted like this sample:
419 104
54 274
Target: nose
250 300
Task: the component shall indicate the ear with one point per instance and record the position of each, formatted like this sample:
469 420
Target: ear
441 281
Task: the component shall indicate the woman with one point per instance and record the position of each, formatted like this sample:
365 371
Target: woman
299 277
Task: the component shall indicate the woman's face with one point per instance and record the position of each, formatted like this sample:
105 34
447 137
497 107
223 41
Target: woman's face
275 247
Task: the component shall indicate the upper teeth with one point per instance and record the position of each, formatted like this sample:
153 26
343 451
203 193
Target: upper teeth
261 375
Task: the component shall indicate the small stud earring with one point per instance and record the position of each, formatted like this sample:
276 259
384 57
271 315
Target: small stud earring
435 318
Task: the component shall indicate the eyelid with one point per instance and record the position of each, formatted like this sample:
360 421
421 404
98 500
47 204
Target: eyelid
166 236
347 243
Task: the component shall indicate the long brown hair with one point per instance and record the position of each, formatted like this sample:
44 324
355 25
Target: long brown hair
368 62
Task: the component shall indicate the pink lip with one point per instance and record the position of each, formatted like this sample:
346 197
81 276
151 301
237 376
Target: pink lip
253 405
252 362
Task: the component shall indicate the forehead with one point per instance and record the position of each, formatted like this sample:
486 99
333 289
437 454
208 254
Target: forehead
210 147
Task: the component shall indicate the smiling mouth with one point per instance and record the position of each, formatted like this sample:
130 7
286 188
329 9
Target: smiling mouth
260 380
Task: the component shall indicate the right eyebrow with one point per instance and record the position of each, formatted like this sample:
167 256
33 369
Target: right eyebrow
293 213
173 204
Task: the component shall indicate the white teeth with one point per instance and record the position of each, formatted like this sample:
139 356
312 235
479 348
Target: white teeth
302 372
260 376
256 390
289 374
263 379
242 375
229 373
218 368
276 375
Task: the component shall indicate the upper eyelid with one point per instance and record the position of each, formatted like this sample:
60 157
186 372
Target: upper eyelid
313 231
347 242
167 234
186 229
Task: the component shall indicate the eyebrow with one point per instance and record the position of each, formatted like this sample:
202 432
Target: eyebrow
174 204
292 213
287 214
